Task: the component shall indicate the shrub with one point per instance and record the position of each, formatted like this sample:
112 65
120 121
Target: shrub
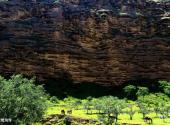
98 105
144 109
130 111
167 90
54 99
111 108
130 90
158 102
88 107
76 104
21 100
142 91
165 86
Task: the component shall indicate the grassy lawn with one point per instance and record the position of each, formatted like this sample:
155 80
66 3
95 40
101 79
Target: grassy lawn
55 108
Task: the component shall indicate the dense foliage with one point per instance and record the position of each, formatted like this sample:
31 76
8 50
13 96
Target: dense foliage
109 109
165 85
21 100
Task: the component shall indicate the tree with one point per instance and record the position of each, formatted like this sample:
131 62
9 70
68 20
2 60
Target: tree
98 105
111 108
72 102
54 99
88 105
130 111
165 86
167 89
164 111
142 91
21 100
76 104
167 110
129 90
144 109
156 102
164 108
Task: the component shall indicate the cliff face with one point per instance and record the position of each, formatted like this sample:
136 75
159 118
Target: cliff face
101 41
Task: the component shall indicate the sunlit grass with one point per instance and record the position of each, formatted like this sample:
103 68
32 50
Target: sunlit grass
55 108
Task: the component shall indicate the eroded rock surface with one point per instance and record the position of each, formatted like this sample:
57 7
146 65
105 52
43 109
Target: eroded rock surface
101 41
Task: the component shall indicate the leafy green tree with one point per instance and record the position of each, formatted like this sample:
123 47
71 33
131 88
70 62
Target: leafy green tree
112 107
119 105
89 98
98 105
54 99
76 104
71 102
164 111
88 106
105 120
144 109
165 85
130 90
142 91
167 110
163 107
148 103
130 111
167 90
21 100
156 102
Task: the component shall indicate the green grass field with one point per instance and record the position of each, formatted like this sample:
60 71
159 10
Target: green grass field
55 108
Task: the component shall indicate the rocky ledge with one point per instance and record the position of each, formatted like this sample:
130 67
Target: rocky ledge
101 41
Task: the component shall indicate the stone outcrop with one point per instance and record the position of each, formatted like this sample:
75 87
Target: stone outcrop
101 41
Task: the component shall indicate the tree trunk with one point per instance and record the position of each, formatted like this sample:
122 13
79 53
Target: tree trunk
116 117
131 117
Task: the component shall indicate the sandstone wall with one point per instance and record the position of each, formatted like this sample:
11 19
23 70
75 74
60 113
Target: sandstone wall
105 42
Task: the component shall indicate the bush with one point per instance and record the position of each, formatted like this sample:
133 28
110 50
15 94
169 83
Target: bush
21 100
111 107
54 99
130 90
131 112
157 102
76 104
144 109
88 107
142 91
98 105
165 86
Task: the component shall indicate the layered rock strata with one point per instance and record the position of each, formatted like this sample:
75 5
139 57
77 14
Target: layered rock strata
101 41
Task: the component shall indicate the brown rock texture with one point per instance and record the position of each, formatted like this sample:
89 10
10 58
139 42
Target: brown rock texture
106 42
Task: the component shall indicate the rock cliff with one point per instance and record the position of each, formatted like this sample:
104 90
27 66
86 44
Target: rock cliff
101 41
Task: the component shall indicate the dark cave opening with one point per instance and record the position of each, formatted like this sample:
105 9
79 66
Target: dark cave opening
64 87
